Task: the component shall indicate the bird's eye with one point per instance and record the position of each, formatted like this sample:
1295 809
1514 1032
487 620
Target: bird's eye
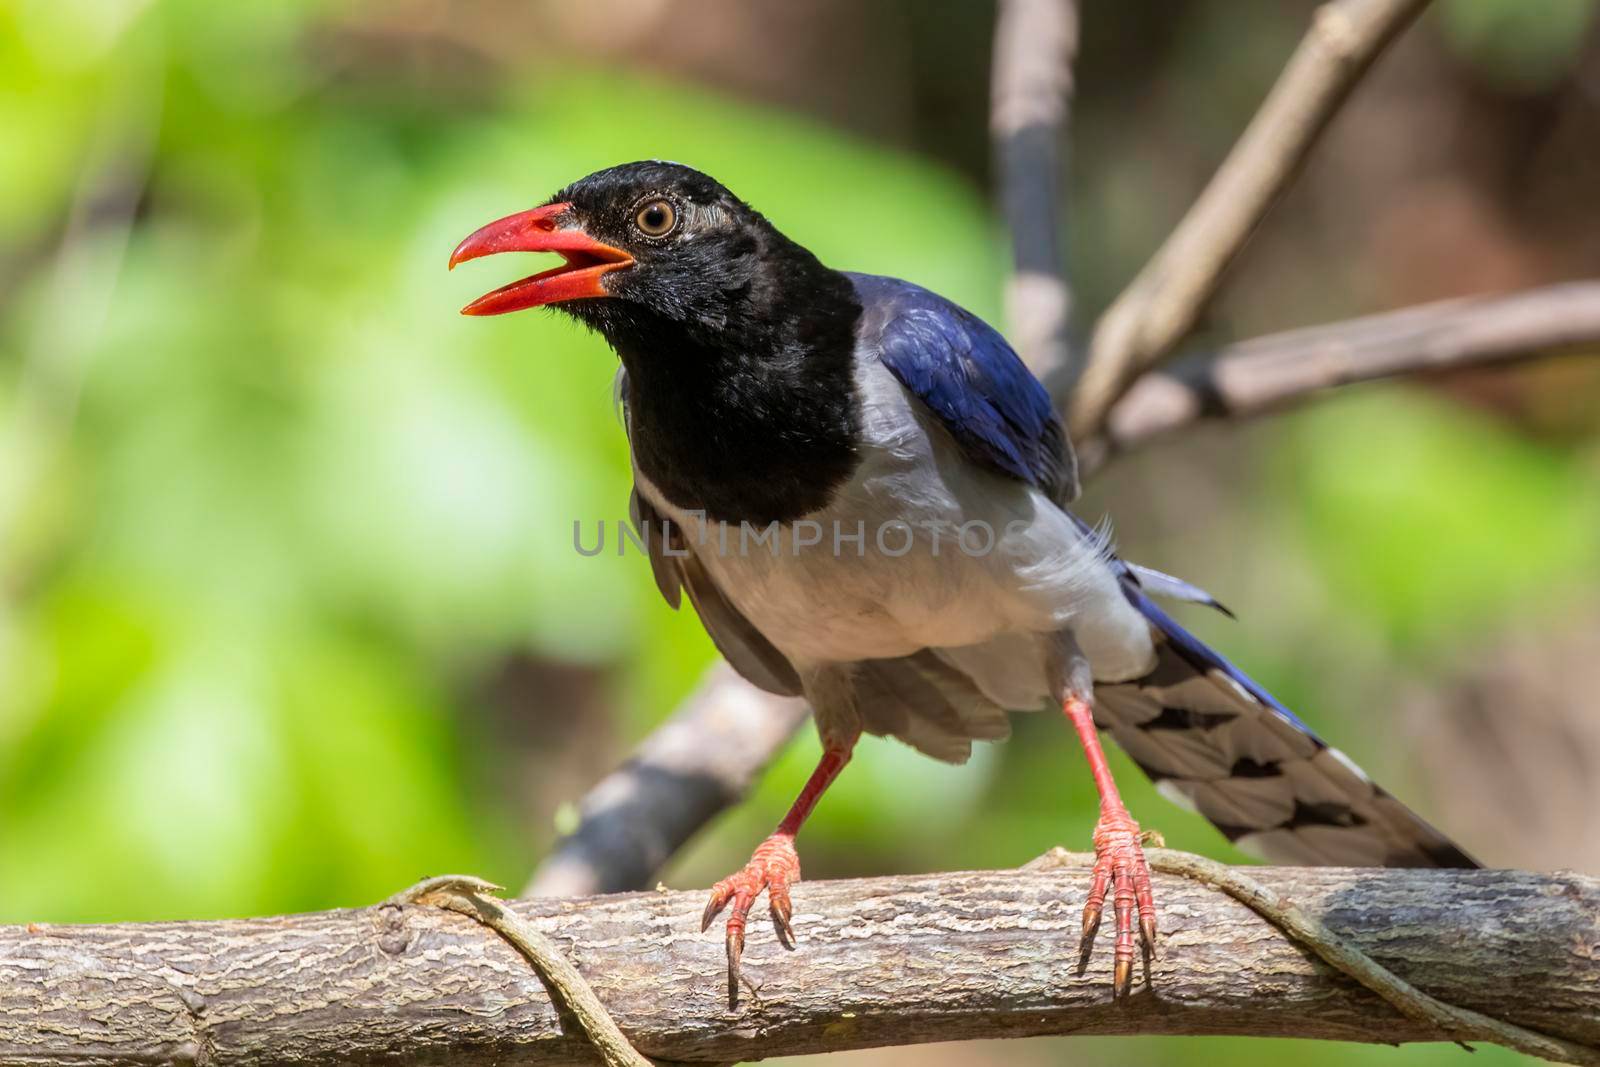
656 219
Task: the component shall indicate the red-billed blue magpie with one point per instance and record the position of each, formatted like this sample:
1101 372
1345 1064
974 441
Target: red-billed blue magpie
863 491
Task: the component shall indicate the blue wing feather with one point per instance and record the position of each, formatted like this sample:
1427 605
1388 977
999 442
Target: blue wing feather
967 375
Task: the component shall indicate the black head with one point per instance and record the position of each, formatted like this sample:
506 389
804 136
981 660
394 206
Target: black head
694 244
647 241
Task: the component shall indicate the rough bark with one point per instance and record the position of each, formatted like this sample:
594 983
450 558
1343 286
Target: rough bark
884 961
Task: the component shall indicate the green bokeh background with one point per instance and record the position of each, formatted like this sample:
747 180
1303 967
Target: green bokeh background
270 510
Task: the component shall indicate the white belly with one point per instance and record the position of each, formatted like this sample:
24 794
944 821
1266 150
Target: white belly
921 549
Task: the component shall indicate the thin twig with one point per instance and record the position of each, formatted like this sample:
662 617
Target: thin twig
1035 43
1272 372
1165 300
1310 932
473 897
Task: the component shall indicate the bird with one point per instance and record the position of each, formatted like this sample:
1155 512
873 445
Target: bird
865 494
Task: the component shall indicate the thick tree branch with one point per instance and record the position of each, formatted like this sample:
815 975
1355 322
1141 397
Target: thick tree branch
1271 372
1035 43
881 961
1162 304
1312 934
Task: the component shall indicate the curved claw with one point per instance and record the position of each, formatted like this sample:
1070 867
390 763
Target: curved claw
774 867
1120 871
721 893
782 913
735 951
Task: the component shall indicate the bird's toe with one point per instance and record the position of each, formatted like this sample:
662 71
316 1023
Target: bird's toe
774 867
1121 873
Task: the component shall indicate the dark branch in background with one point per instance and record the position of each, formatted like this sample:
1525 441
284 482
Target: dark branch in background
1281 369
1035 42
1162 304
702 761
887 961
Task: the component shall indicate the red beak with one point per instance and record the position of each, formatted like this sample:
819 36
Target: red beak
541 230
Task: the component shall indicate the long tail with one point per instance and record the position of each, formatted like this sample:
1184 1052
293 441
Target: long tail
1216 742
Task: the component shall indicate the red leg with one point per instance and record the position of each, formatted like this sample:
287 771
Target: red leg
1119 864
774 866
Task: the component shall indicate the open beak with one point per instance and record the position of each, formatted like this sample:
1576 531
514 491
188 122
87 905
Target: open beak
541 230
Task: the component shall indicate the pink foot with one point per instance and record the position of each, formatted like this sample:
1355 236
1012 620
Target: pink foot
1120 869
774 866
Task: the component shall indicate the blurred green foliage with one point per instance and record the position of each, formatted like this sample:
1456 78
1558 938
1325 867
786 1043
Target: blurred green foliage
1433 522
269 509
1520 45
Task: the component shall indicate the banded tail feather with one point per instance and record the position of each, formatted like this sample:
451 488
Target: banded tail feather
1217 743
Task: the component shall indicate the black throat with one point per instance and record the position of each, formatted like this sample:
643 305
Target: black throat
747 411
